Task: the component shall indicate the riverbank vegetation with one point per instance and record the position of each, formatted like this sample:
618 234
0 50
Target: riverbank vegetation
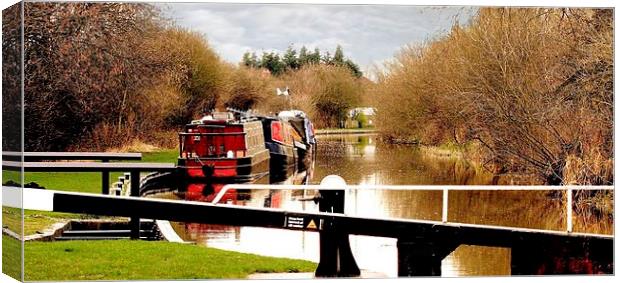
532 88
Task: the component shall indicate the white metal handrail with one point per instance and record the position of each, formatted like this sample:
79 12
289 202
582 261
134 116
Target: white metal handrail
422 187
444 188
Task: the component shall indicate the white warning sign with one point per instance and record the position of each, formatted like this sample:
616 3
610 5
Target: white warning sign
295 222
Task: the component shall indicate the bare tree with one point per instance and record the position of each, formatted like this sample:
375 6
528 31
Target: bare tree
84 62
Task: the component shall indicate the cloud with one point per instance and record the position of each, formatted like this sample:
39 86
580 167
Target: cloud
368 34
214 25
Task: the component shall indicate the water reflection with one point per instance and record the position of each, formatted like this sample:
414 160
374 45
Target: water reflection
271 242
362 159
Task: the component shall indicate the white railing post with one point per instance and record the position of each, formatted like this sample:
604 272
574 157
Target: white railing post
444 206
569 209
333 182
220 194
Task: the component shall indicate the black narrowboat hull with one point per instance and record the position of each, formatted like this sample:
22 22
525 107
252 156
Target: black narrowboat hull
304 157
281 158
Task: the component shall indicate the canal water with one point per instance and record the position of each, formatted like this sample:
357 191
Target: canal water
363 159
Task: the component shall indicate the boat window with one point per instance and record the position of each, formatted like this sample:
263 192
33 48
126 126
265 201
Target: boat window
211 150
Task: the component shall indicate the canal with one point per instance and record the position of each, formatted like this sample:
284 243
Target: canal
363 159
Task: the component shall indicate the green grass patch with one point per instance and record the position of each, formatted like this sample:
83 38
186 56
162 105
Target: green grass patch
11 257
143 260
166 155
36 221
14 176
73 182
12 219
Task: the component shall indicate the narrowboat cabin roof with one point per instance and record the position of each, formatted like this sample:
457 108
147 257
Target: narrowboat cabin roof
222 118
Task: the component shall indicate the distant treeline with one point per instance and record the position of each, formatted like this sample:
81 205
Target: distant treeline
531 88
290 60
103 75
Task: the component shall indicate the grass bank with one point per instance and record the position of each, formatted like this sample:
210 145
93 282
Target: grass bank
448 149
143 260
11 260
37 221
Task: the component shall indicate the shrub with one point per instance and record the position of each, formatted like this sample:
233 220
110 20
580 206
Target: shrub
531 86
197 72
247 88
361 119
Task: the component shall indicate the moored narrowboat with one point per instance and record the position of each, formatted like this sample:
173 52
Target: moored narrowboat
220 148
306 143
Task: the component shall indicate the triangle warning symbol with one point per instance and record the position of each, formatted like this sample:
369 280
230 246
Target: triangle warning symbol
311 225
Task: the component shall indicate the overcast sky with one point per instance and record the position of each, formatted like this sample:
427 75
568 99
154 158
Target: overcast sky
369 34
